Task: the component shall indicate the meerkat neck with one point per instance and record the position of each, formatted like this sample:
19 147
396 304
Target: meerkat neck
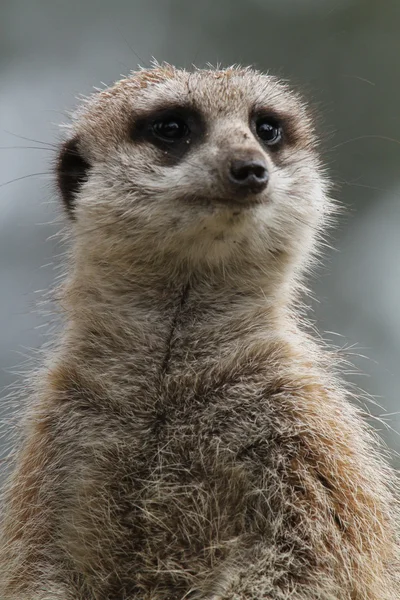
139 311
139 289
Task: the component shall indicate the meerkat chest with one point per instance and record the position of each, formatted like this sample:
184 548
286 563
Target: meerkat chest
206 435
180 447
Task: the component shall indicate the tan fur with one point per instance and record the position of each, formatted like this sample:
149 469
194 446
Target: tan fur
187 438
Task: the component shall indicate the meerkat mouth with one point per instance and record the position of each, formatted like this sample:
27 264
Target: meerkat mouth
242 203
237 204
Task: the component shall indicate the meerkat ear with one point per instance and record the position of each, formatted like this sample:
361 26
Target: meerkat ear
72 171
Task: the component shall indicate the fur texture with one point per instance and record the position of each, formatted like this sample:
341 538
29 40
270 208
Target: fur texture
187 438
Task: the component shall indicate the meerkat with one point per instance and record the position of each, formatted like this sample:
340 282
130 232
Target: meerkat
187 437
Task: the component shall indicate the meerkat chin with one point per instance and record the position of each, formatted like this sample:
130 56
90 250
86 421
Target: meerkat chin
187 438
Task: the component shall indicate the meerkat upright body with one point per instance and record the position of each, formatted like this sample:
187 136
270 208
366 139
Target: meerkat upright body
187 439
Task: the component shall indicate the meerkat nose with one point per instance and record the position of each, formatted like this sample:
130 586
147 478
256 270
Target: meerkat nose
249 175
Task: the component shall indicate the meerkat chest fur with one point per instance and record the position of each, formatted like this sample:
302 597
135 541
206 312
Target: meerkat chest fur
187 438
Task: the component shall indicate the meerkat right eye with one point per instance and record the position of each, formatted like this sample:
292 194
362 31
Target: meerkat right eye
269 130
174 130
170 128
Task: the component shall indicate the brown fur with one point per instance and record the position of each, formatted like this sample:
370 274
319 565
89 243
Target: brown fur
188 439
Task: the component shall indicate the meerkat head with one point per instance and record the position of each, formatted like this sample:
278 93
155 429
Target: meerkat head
203 167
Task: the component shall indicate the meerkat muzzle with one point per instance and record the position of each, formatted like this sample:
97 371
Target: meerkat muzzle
249 175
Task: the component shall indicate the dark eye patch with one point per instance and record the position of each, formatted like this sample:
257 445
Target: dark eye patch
173 130
72 171
274 130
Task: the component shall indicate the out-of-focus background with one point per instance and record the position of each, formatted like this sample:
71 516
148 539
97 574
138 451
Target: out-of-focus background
345 56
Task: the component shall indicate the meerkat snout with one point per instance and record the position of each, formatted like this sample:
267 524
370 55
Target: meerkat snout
249 175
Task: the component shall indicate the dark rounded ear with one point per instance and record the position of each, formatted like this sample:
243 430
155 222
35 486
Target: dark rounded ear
72 171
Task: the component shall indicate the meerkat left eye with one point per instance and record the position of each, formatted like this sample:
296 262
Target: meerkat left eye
268 130
170 129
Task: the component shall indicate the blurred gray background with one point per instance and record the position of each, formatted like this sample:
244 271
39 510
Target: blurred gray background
344 54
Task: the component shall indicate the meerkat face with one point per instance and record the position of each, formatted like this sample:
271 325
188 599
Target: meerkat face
199 165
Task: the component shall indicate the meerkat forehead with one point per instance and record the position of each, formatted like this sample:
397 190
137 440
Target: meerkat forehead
233 92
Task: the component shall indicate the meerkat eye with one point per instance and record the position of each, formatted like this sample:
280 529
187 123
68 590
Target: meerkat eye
268 130
170 129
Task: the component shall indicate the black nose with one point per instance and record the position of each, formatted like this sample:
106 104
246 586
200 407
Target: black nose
249 175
